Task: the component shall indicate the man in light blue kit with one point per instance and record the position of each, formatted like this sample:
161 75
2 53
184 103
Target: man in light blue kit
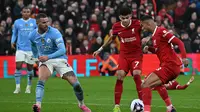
48 46
21 29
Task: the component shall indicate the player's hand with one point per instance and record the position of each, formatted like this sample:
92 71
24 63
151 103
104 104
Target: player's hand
13 45
43 58
145 40
191 79
145 49
96 53
185 62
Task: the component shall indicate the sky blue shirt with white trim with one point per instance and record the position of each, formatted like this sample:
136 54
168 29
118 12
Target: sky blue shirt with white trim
49 44
20 32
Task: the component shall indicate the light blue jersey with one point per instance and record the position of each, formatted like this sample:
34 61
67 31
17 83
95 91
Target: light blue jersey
49 44
21 30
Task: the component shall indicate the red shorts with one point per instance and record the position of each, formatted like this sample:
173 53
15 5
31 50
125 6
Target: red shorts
167 73
131 64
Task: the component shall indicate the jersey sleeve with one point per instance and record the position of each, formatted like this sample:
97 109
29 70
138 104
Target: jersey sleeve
167 35
174 40
60 45
14 33
33 45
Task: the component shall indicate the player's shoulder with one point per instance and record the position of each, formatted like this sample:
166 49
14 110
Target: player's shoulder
117 24
18 20
136 21
55 32
32 19
162 29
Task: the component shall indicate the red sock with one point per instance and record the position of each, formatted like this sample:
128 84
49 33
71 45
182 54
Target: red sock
138 83
146 97
164 95
118 91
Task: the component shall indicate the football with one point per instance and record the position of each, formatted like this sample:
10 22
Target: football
137 106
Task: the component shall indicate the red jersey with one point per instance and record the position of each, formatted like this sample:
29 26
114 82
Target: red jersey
161 39
130 41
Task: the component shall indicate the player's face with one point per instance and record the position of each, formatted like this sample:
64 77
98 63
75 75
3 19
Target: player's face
125 19
145 25
43 24
26 13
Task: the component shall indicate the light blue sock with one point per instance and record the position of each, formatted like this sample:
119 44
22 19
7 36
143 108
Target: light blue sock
17 76
78 91
40 91
29 78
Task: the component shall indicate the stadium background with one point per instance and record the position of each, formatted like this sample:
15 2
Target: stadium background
85 25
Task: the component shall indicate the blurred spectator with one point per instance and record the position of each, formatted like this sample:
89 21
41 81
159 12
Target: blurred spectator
113 48
165 16
44 7
34 8
191 29
85 48
94 24
179 11
17 9
77 51
7 13
196 41
96 45
104 28
187 42
68 47
83 25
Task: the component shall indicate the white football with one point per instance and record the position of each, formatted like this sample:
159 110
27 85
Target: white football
137 106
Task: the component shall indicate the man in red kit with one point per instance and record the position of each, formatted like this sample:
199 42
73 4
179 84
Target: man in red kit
174 85
130 57
170 63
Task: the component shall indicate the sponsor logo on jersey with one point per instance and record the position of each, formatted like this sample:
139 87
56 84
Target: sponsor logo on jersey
131 39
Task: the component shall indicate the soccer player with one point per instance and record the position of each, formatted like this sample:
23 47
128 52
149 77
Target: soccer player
174 85
170 63
48 46
21 29
130 57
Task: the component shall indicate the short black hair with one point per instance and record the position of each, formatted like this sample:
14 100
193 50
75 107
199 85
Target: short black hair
26 7
125 10
40 15
146 17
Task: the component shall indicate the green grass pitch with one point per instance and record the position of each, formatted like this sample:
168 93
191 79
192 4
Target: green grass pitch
98 93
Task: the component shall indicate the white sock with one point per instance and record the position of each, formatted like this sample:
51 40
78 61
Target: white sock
169 107
17 85
81 103
116 105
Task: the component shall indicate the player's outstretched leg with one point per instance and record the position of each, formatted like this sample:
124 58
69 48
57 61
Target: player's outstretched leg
72 79
39 95
29 79
18 77
151 81
119 89
44 73
164 95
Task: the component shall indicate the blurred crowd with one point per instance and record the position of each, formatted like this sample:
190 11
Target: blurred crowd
85 24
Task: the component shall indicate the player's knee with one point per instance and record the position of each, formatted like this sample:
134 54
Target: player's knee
136 72
144 85
120 75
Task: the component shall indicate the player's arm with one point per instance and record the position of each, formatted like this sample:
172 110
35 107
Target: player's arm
110 39
33 45
174 40
14 35
61 48
149 48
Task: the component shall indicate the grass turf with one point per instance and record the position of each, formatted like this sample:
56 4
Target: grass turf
98 93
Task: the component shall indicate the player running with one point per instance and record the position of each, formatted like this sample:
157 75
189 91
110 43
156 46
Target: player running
169 61
48 43
22 28
130 57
